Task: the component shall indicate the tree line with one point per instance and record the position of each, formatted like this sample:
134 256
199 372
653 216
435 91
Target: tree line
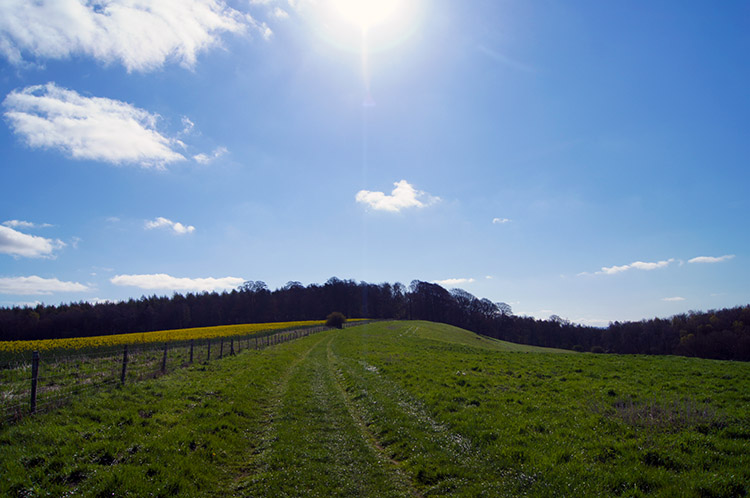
718 334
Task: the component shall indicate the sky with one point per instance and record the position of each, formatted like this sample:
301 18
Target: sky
579 158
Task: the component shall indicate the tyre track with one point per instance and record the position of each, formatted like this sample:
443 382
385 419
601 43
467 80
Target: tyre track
399 477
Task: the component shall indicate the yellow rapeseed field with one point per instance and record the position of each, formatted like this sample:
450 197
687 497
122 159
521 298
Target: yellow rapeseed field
75 343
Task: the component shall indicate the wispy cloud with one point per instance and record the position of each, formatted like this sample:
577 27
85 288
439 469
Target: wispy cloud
162 281
92 128
141 36
35 285
711 259
500 221
636 265
17 244
25 224
449 282
402 197
177 228
208 158
673 299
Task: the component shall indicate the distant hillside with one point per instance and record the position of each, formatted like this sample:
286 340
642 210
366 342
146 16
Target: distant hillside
718 334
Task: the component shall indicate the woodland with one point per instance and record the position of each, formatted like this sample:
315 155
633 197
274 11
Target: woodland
717 334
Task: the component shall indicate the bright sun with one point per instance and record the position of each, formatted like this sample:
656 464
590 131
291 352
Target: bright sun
367 13
385 23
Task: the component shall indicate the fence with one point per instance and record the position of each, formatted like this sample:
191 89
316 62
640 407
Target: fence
39 384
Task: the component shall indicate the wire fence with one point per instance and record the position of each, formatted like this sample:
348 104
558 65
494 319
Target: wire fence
45 382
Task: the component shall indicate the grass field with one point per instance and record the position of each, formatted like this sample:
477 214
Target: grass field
398 409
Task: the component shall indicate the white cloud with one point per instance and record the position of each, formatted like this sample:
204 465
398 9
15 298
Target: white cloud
30 246
500 221
98 300
92 128
167 282
403 196
208 158
140 35
448 282
177 228
187 126
637 265
280 13
711 259
25 224
673 299
35 285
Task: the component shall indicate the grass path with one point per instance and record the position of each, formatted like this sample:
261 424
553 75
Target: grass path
318 448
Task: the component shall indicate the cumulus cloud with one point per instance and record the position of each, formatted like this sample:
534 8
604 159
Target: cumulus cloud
29 246
94 128
402 197
637 265
25 224
140 35
163 281
208 158
711 259
177 228
449 282
500 221
35 285
673 299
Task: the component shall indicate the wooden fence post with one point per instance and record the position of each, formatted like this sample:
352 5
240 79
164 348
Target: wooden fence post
221 348
164 360
191 349
124 364
208 356
34 378
231 346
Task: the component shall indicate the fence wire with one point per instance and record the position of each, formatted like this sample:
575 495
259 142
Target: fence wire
61 377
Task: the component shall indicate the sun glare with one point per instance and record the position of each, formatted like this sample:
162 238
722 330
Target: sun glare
384 23
366 13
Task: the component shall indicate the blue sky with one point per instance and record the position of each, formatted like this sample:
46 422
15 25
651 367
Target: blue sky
587 159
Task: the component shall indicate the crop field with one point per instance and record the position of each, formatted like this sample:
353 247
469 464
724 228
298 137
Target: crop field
398 409
14 349
69 367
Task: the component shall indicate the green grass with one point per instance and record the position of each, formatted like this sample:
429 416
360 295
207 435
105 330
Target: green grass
398 409
454 335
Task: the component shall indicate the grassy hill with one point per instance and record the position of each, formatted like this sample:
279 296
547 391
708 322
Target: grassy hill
398 409
454 335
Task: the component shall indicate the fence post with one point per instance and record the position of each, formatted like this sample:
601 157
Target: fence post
164 360
221 348
124 364
256 343
34 378
208 356
231 346
191 349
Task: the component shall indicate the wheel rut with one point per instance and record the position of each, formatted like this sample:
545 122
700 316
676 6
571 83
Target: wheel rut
398 476
315 444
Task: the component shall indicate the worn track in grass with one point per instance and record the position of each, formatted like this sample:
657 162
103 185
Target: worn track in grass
318 448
